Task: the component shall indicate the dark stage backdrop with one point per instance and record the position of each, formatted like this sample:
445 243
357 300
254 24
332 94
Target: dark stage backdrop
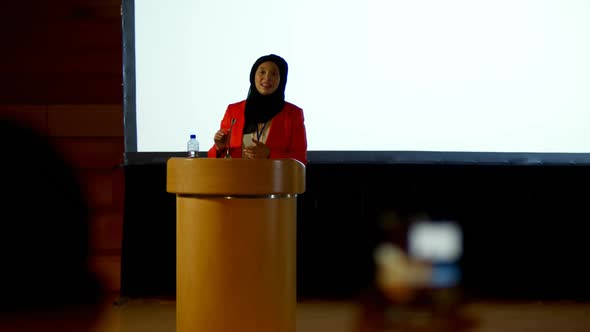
524 227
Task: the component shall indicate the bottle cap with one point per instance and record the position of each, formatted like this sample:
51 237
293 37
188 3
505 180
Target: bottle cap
193 136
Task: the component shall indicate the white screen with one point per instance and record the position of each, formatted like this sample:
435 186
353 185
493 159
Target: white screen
373 75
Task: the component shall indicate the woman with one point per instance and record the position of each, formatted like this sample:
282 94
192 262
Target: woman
264 125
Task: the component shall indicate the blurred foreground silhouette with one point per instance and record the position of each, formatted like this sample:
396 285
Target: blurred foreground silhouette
44 240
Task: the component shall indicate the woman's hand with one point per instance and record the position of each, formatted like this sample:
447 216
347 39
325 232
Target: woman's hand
220 139
257 151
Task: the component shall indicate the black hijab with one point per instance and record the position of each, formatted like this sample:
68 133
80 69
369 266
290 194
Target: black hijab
260 108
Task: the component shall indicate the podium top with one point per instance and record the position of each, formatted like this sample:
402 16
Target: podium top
211 176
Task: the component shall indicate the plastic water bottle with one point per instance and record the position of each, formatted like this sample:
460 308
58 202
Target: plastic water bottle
193 146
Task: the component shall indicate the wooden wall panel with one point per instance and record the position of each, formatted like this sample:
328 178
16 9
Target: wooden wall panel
84 34
85 120
23 88
85 9
33 116
91 153
97 186
61 73
106 233
61 52
108 270
39 88
118 189
76 88
99 62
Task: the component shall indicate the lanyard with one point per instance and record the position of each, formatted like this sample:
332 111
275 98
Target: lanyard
259 133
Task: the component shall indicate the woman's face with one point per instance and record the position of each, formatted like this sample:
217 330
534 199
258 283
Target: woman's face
267 78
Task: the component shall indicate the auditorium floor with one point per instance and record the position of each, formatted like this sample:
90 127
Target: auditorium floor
150 315
153 315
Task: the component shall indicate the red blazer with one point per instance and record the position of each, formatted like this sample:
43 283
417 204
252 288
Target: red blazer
286 138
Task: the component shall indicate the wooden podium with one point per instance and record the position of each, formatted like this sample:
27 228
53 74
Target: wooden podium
236 243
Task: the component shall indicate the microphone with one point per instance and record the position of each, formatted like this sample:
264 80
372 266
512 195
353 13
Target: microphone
228 139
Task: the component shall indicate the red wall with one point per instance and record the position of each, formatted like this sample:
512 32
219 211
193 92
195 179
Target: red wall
61 73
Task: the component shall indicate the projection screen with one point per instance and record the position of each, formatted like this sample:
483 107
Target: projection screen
384 81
